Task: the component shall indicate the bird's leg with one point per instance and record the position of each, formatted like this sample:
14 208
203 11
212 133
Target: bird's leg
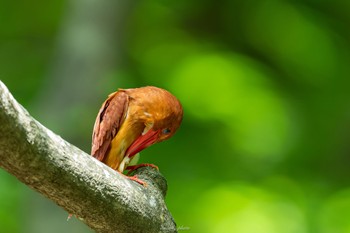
69 217
134 167
134 178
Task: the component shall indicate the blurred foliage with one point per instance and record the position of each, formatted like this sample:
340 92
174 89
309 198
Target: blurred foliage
265 88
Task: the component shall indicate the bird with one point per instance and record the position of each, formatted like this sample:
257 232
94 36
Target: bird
131 120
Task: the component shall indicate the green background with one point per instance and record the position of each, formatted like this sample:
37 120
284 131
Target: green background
264 144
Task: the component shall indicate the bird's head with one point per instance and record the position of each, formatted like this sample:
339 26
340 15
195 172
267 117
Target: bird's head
161 113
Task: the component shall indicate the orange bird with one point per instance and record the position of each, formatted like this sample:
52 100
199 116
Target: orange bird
131 120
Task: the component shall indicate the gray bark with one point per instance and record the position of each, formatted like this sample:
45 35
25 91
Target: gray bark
104 199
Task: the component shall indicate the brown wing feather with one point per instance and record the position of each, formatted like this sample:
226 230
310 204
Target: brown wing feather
108 122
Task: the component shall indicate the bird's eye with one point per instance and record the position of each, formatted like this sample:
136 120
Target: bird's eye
166 131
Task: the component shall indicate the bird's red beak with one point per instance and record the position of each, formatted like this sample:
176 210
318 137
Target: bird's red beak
142 142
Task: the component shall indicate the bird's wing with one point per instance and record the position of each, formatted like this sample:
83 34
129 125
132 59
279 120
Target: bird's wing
108 122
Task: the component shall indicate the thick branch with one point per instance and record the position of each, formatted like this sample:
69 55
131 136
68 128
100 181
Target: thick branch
101 197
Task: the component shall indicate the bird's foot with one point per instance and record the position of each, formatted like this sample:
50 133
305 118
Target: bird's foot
134 167
69 217
135 178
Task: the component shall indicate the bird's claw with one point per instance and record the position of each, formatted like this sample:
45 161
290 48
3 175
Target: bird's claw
134 167
69 217
135 178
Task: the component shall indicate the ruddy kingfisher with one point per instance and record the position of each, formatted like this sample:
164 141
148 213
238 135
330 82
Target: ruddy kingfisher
131 120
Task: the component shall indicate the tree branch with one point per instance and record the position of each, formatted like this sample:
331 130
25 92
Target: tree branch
102 198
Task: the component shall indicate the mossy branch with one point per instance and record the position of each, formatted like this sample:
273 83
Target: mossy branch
102 198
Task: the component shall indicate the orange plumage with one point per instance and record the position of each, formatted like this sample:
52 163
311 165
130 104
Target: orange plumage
131 120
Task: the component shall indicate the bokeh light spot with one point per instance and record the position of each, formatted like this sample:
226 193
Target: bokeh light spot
236 91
